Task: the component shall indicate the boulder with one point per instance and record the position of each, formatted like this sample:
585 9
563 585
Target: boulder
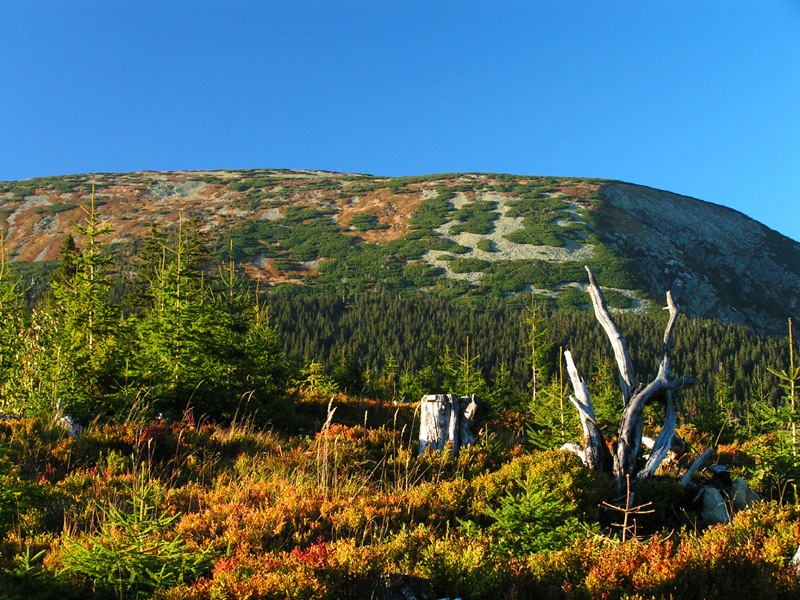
743 496
714 508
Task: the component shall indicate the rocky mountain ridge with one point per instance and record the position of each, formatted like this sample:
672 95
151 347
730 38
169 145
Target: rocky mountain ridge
467 236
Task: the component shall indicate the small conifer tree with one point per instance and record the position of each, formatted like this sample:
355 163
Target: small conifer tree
88 326
468 377
539 348
12 331
175 336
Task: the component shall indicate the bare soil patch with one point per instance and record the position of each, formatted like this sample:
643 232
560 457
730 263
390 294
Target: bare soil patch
389 209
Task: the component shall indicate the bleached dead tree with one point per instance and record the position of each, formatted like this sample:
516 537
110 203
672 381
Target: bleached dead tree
625 461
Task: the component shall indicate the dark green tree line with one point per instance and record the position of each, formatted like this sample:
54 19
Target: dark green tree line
191 338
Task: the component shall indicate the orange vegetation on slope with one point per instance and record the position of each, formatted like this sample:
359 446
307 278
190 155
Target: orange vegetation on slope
390 209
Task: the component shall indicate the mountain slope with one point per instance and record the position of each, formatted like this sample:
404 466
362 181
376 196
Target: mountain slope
468 235
717 261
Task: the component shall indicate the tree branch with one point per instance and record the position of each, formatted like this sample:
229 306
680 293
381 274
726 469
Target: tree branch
663 367
626 380
696 465
597 456
663 441
629 438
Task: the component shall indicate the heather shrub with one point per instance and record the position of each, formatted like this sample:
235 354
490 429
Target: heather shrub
714 566
772 532
24 505
239 513
623 570
747 559
561 574
323 570
464 567
471 462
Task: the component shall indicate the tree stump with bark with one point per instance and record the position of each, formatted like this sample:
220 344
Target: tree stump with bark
449 419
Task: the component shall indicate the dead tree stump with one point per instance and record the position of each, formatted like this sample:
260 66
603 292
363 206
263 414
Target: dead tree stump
449 419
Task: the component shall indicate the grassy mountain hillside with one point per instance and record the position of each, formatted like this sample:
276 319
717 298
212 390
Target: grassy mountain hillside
472 236
240 444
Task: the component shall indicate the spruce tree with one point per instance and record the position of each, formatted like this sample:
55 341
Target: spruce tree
504 394
787 410
266 370
89 328
176 334
68 253
12 331
539 347
205 344
245 367
554 421
388 381
468 377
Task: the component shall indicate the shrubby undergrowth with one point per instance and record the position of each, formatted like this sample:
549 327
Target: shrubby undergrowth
180 510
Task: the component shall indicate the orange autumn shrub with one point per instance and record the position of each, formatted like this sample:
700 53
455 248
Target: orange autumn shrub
747 559
323 570
327 516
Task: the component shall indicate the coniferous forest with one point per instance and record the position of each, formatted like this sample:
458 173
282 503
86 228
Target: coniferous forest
172 430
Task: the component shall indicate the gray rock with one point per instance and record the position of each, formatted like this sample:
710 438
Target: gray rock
743 496
715 509
794 563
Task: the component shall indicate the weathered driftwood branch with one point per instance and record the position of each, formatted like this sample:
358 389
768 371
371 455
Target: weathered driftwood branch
626 381
595 452
696 465
664 440
629 436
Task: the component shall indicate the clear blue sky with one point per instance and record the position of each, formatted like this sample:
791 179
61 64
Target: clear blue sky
697 97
